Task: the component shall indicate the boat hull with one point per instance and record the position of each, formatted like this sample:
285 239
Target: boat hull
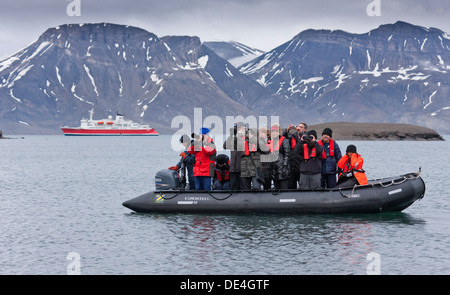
386 195
109 132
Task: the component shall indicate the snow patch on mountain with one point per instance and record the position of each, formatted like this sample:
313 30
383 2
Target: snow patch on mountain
88 72
203 61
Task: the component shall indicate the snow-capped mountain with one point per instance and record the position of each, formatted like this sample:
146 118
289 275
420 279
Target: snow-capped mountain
73 68
234 52
395 73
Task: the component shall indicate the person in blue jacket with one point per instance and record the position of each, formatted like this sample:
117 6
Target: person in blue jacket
186 162
330 156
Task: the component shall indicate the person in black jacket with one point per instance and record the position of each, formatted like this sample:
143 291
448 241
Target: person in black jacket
309 160
186 162
221 179
278 158
236 144
293 133
330 158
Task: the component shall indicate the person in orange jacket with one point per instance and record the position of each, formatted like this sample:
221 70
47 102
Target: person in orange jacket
205 159
351 166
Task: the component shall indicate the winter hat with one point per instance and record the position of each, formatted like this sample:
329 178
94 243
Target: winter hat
204 130
222 159
328 132
351 148
312 132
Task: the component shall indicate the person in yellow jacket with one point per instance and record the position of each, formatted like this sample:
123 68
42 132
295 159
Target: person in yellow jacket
351 166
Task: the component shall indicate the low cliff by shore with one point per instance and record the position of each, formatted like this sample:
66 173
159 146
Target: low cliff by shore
376 131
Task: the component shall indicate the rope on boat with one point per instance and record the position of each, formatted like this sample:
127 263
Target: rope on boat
220 199
405 178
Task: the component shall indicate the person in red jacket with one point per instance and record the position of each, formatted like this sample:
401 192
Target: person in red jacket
205 159
351 165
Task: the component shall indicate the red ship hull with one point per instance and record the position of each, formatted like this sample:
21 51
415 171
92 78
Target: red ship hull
110 132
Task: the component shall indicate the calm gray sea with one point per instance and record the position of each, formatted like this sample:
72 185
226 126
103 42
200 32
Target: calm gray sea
63 195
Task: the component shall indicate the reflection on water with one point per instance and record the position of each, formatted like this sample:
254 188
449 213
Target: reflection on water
284 244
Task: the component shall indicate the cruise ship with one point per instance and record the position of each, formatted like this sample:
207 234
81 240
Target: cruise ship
117 127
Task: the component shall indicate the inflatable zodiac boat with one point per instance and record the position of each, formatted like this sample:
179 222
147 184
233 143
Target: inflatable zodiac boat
380 195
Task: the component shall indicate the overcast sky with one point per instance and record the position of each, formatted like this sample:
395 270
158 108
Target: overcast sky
263 24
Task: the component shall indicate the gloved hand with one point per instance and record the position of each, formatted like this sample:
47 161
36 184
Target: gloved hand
173 168
183 154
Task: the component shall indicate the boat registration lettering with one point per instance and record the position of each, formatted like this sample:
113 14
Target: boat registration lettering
196 198
192 200
395 191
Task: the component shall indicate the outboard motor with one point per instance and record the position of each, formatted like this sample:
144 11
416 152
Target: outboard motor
167 179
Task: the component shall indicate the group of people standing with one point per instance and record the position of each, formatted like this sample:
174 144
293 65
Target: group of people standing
287 159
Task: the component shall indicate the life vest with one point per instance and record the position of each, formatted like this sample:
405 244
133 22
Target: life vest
306 155
226 175
277 147
247 148
353 167
293 143
324 156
